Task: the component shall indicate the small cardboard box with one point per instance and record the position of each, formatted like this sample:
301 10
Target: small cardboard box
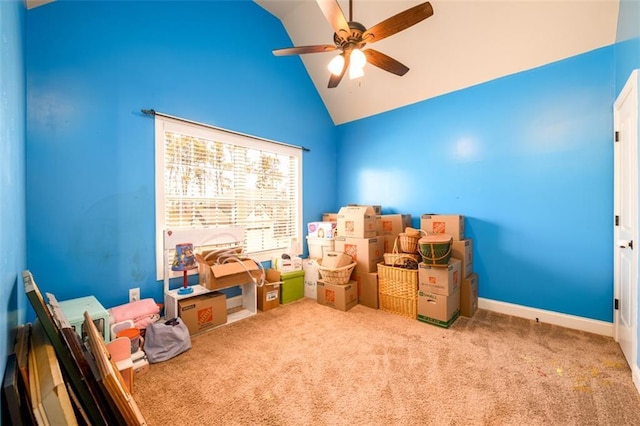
357 221
438 309
366 252
450 224
214 276
341 297
311 276
202 312
291 284
321 229
367 289
463 250
440 280
269 296
469 295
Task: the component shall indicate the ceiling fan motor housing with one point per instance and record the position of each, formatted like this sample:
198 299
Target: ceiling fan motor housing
354 38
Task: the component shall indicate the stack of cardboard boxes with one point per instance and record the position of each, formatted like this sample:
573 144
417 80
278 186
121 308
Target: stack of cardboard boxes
320 239
388 227
356 236
446 292
365 234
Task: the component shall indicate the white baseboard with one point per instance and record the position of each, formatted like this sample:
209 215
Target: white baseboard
550 317
635 375
234 302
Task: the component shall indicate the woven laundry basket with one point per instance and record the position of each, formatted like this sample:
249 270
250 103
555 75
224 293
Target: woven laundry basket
398 290
340 275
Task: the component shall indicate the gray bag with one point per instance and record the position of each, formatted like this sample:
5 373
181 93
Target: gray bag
164 340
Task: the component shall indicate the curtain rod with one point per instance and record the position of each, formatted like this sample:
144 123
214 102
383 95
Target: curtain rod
162 114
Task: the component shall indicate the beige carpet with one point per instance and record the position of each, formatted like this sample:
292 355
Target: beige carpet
307 364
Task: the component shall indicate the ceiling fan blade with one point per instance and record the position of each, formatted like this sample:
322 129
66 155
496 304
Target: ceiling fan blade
397 23
334 80
300 50
332 11
385 62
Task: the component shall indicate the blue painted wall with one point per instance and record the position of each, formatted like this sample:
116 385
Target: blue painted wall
12 174
528 159
91 67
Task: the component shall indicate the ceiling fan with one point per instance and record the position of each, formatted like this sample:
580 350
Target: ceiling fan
351 36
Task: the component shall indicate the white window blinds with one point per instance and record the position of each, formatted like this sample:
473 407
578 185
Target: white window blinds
208 177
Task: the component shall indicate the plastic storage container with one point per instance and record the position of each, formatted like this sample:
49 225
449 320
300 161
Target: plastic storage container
319 246
291 284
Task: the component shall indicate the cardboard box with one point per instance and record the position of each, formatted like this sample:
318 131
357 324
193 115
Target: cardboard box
463 251
341 297
376 209
367 289
214 276
311 276
388 241
393 224
336 259
438 309
321 229
330 217
469 295
357 221
269 296
318 246
390 225
292 263
291 284
451 224
440 280
366 252
202 312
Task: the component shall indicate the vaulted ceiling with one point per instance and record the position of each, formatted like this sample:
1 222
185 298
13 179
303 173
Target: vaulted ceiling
464 43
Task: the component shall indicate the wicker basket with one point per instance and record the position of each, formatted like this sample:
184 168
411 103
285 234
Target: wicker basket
398 290
435 249
409 242
395 257
339 276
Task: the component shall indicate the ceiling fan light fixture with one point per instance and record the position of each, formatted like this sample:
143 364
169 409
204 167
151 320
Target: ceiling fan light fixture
358 59
336 64
355 72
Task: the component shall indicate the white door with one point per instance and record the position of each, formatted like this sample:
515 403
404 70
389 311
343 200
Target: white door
625 116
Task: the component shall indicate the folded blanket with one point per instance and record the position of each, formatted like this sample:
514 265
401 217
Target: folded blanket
141 312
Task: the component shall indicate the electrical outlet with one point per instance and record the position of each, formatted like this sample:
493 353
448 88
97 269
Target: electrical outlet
134 294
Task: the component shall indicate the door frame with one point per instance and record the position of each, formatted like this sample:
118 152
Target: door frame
630 89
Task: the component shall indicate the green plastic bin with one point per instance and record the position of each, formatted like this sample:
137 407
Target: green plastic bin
291 284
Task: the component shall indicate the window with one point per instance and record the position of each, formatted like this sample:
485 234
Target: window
209 177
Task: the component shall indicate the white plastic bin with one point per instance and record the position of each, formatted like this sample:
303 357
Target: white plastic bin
318 246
